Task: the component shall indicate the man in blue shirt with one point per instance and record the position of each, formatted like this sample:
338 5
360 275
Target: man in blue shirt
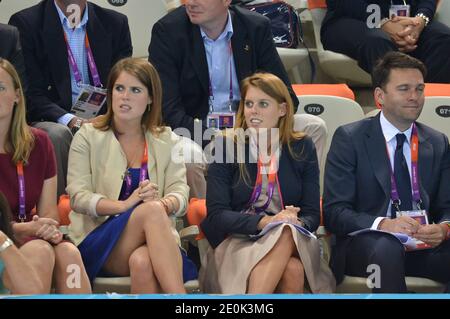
202 51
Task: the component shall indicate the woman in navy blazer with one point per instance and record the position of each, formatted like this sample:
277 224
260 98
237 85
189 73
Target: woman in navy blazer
278 259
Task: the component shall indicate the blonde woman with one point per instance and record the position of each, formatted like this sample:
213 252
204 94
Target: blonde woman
125 187
28 180
273 187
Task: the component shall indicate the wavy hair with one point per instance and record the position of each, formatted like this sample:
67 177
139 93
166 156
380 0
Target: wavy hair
146 73
20 139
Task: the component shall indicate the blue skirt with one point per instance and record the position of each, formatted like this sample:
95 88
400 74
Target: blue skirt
97 246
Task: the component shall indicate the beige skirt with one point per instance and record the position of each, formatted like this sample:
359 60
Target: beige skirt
227 268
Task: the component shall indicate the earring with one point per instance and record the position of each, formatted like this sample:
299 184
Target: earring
148 106
15 104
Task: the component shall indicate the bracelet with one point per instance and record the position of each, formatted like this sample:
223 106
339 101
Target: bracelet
424 18
166 207
171 200
7 243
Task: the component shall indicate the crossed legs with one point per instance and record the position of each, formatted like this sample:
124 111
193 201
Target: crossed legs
281 270
147 251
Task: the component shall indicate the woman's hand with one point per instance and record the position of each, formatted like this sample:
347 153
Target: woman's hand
46 229
288 215
148 191
131 201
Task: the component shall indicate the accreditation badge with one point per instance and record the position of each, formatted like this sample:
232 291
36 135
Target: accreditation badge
221 120
89 102
419 215
399 11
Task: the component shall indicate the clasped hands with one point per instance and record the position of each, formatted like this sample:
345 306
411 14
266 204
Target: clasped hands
145 192
404 31
288 215
431 234
47 229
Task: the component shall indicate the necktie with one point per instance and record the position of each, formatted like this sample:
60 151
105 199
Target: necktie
402 177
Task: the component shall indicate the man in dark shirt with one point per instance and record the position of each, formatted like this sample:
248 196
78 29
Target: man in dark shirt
366 30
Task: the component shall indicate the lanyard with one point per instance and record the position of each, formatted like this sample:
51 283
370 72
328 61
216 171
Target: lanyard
272 177
395 198
91 63
142 172
230 96
21 179
404 3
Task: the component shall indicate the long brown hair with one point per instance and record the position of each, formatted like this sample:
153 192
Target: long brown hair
273 86
146 73
20 139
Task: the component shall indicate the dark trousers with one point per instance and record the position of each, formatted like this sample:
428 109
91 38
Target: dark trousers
354 39
394 263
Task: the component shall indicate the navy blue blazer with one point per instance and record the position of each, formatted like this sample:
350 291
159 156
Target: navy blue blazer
227 194
357 180
178 53
45 53
12 51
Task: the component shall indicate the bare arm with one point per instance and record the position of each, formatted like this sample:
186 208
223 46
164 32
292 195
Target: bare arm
19 276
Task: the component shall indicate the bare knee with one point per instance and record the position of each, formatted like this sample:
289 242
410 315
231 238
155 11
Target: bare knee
39 250
66 252
139 262
294 268
152 213
286 236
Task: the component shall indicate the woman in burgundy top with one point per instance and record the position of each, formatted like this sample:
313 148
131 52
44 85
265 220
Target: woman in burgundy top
28 180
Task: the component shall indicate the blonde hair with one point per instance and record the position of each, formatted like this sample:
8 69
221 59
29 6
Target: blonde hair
20 139
273 86
146 73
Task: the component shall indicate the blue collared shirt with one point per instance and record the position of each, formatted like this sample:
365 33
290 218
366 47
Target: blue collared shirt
219 60
75 38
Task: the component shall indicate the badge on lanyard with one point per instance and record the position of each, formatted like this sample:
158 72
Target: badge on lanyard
91 97
220 121
419 215
89 102
399 10
395 199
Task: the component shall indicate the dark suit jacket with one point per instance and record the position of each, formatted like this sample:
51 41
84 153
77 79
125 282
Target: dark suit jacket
45 52
11 50
227 194
357 9
178 53
357 180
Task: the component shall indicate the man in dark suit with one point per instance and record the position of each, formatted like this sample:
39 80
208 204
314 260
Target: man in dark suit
364 158
53 86
365 31
203 49
12 51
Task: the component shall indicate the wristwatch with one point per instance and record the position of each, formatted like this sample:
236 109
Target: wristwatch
424 17
448 232
76 126
7 243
